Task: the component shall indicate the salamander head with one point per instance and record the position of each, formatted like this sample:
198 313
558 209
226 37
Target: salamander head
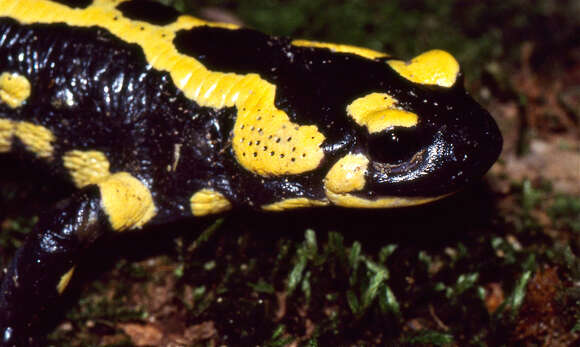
414 144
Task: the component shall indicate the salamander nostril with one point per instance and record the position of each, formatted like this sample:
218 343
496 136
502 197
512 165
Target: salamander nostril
395 146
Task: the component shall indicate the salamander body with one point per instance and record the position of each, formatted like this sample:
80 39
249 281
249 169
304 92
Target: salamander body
156 117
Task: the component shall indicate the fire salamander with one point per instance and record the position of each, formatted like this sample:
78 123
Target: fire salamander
156 117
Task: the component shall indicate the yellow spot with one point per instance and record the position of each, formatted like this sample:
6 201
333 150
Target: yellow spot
349 200
6 134
14 89
207 201
293 203
86 167
432 67
267 143
377 111
251 95
126 200
64 280
347 175
361 51
35 138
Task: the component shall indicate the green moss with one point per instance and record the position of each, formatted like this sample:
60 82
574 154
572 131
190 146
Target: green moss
429 337
12 235
565 212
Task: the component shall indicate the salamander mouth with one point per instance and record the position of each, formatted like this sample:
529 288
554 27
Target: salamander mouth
398 169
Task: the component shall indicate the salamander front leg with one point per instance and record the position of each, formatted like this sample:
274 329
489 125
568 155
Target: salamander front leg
42 268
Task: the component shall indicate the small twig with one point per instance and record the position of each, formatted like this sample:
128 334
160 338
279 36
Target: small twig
436 319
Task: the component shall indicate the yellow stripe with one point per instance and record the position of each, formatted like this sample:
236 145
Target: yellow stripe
352 201
293 203
334 47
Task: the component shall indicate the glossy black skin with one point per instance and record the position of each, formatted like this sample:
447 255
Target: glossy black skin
75 3
139 126
148 11
136 116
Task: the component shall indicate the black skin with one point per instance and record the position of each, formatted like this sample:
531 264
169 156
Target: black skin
75 3
136 116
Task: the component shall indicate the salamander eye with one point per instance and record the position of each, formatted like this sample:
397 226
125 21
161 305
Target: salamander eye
396 146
